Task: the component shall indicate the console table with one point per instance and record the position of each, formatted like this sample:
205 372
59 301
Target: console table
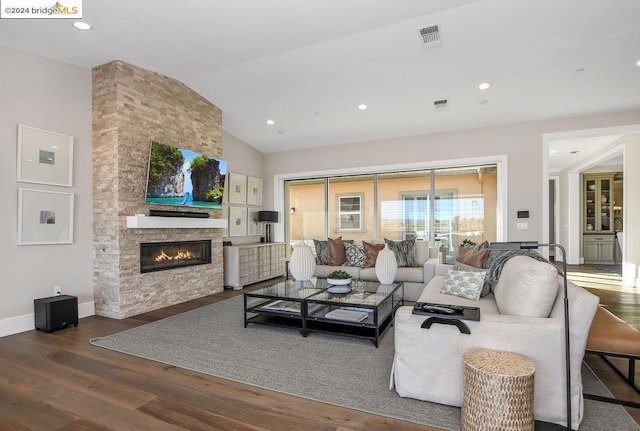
249 263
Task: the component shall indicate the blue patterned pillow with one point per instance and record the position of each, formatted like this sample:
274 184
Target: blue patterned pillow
466 284
486 287
405 251
354 255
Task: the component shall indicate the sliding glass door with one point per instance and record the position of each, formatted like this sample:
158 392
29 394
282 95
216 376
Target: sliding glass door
446 205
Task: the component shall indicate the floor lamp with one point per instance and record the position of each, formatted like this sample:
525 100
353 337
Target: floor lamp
528 245
269 217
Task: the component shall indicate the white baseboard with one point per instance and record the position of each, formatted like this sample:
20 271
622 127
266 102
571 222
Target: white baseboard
26 322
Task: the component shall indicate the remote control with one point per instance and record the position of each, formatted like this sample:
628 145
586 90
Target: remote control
438 309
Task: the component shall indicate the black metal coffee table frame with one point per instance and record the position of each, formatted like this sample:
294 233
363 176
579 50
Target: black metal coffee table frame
305 305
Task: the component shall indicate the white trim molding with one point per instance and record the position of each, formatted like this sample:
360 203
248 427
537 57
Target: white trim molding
26 322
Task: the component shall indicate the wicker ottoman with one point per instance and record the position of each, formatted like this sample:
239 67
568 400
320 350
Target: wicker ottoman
498 391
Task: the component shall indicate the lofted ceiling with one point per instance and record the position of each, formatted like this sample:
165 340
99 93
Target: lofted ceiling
308 64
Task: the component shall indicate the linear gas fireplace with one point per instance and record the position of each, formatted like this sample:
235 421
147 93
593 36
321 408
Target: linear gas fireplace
159 256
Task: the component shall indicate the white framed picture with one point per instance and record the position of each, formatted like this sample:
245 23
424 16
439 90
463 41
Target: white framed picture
237 188
44 217
254 191
253 226
44 157
237 221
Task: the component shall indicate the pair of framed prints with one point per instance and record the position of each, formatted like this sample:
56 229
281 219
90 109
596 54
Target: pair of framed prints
44 158
247 191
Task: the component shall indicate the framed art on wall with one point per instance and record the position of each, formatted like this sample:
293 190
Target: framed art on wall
253 226
254 191
44 217
237 188
44 157
237 221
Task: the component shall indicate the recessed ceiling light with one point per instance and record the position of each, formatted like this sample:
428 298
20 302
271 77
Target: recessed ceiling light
581 70
271 122
553 151
484 86
82 25
638 63
362 107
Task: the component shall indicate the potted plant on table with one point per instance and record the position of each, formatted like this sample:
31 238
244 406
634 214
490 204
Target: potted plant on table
339 277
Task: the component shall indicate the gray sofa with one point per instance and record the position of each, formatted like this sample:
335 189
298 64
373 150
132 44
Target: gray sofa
414 278
428 365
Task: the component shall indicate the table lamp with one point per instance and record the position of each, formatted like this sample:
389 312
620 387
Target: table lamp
268 217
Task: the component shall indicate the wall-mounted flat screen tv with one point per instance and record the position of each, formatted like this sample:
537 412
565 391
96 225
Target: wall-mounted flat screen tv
183 177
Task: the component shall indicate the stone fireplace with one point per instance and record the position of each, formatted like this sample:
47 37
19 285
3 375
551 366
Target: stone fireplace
131 108
161 256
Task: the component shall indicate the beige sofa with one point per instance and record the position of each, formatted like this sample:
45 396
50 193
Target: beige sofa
428 364
414 278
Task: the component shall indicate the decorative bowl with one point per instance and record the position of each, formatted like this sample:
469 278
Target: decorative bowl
592 186
339 281
339 289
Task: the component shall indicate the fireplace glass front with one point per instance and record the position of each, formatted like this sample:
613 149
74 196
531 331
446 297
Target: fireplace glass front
160 256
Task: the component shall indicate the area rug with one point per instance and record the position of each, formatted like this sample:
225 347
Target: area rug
334 369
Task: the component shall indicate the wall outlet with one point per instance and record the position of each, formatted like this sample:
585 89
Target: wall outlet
57 290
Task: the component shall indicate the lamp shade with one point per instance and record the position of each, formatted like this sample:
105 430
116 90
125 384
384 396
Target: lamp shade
269 216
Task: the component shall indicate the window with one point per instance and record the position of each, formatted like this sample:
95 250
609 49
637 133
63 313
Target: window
447 205
349 213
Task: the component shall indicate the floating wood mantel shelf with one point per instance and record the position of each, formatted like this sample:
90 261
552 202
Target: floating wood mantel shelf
141 221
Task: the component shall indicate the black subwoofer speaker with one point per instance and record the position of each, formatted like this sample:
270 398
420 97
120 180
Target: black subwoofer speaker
56 312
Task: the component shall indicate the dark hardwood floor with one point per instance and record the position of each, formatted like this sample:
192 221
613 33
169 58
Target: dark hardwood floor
59 381
624 302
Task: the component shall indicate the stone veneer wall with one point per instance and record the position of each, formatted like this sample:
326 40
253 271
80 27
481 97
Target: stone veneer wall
132 107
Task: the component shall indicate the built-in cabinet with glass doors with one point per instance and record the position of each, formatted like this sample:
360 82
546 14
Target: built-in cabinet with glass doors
598 238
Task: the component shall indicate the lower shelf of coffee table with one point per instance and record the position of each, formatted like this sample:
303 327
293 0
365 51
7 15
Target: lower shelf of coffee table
338 327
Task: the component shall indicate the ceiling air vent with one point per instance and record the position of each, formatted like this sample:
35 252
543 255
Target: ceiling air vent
430 36
440 105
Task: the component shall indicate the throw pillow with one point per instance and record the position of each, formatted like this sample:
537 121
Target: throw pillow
404 251
371 253
466 284
322 251
527 287
354 254
486 286
472 257
336 252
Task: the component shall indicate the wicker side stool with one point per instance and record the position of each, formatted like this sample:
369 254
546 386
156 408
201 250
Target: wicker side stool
498 391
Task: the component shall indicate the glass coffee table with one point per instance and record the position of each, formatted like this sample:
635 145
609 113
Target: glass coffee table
366 311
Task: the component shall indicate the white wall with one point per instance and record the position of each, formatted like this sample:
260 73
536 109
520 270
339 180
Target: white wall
246 160
54 96
521 143
631 212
